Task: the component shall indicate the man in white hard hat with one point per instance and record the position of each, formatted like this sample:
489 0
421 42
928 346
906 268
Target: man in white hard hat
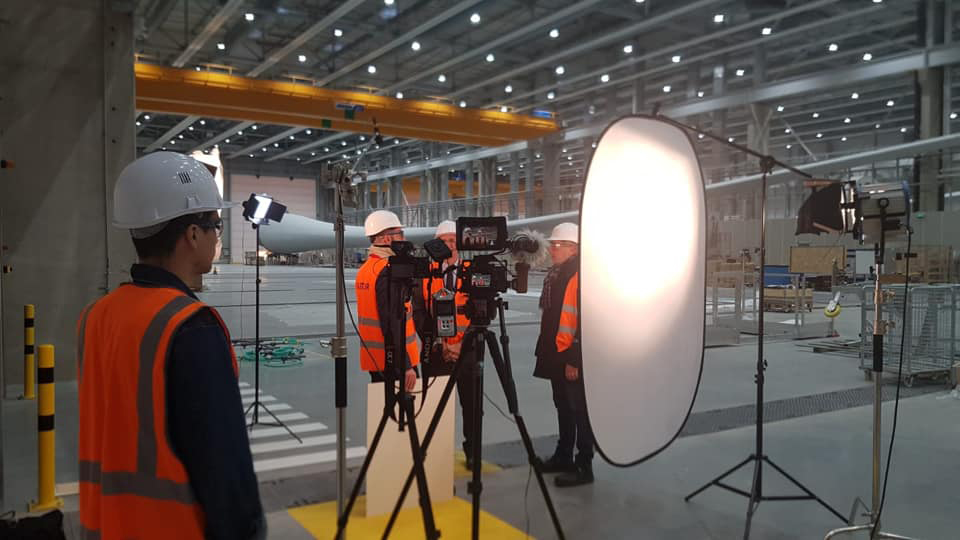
447 351
163 440
374 319
559 359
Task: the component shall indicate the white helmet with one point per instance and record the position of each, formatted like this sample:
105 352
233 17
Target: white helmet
568 232
446 227
380 221
161 186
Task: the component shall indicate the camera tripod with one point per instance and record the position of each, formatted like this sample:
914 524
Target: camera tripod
406 417
478 337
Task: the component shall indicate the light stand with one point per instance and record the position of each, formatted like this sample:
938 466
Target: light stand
344 195
259 210
758 458
879 329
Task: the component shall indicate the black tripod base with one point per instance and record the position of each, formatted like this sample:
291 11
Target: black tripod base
755 495
256 406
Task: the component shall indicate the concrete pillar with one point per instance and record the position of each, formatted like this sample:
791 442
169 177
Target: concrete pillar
693 80
483 187
551 155
758 128
470 183
396 191
514 184
932 115
759 66
424 198
529 184
67 122
929 194
384 193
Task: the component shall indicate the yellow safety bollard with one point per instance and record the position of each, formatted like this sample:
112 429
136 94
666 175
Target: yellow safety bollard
28 349
46 438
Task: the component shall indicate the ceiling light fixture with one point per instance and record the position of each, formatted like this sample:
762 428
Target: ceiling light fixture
302 58
442 78
667 88
560 70
399 94
415 45
475 19
249 16
508 88
766 31
627 49
551 94
833 47
676 59
554 33
718 18
867 57
463 104
605 78
337 32
491 57
371 69
222 46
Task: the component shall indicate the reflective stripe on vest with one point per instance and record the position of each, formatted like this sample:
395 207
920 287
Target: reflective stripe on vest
132 485
567 331
372 346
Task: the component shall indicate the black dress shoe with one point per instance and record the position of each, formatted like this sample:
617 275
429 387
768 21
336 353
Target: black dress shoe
581 476
556 465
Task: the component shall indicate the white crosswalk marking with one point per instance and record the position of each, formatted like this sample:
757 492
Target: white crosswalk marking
272 446
327 456
261 432
263 399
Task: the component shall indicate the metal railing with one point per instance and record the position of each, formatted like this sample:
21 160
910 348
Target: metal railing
929 331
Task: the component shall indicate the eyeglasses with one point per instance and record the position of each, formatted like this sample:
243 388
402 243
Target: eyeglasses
215 225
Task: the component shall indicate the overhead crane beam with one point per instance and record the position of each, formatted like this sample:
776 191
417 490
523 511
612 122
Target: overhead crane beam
218 95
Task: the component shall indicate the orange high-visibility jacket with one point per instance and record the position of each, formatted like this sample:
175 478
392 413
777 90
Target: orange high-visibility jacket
372 348
567 331
132 485
431 286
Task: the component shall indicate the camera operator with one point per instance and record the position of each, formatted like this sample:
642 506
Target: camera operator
559 357
373 301
446 352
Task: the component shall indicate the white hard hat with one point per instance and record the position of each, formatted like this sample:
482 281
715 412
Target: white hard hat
446 227
380 221
565 232
161 186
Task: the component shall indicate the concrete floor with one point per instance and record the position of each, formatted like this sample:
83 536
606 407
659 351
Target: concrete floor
828 452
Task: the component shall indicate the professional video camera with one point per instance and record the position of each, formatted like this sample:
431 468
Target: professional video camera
485 276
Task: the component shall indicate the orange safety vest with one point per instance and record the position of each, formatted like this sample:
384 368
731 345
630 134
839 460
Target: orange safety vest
372 348
569 317
132 485
431 286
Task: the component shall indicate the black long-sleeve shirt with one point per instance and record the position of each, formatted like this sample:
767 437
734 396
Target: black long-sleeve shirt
205 421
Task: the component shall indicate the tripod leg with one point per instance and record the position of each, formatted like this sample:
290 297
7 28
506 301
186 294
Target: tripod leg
342 520
732 470
416 451
434 422
754 497
809 493
475 486
279 423
509 389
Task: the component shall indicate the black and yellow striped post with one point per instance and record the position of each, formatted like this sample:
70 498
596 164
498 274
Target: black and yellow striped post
29 368
46 450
